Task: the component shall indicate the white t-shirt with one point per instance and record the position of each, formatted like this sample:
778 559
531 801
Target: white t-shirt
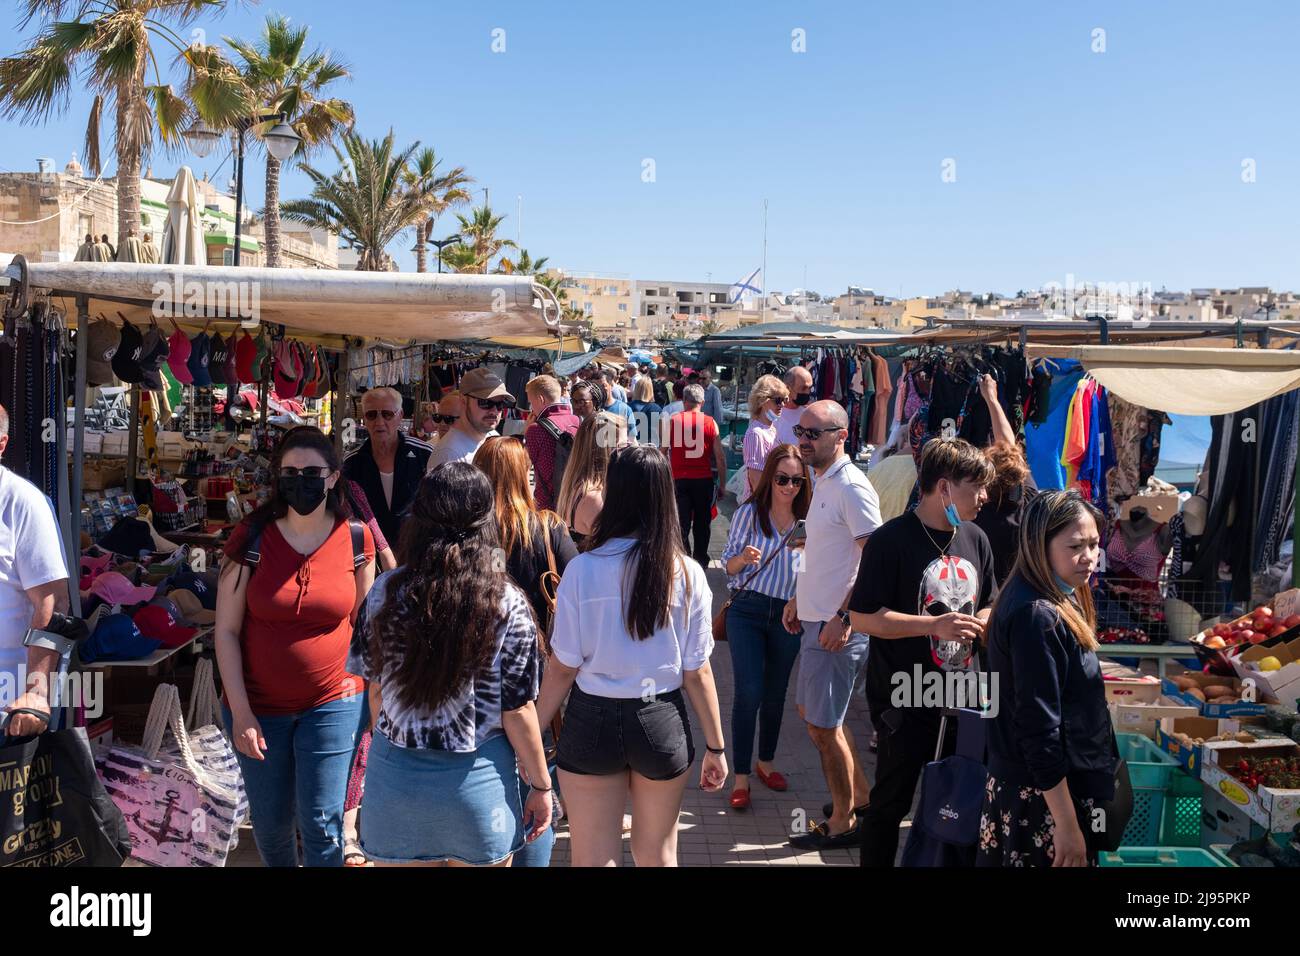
591 634
785 423
31 554
386 480
844 509
456 446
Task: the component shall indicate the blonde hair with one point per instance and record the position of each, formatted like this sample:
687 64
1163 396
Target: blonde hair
768 388
544 386
644 391
584 474
1047 516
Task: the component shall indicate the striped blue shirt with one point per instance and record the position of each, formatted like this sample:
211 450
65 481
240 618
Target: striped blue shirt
778 578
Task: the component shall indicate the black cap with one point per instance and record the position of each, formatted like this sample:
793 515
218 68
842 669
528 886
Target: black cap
126 360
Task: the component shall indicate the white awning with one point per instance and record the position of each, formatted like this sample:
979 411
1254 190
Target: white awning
393 305
1185 381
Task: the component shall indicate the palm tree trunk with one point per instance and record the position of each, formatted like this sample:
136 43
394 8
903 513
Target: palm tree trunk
272 222
130 96
421 254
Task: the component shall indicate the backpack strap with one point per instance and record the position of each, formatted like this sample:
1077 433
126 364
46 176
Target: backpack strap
253 556
358 533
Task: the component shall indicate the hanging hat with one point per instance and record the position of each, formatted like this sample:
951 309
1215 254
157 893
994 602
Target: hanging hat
306 369
262 358
126 360
200 355
288 372
230 371
311 385
152 355
103 339
245 352
178 357
217 359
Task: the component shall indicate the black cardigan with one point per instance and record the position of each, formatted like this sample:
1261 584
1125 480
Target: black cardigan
1052 720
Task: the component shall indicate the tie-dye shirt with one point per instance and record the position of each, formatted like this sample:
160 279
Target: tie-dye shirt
473 716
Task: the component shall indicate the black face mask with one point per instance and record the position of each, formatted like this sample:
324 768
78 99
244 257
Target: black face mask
803 399
302 494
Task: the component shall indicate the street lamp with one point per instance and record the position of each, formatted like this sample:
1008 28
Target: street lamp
280 140
442 244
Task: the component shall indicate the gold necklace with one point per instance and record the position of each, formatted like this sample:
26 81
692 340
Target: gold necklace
943 552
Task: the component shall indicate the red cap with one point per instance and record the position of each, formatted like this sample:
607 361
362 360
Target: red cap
245 351
156 622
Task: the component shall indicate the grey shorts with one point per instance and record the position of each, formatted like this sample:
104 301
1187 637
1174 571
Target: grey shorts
827 678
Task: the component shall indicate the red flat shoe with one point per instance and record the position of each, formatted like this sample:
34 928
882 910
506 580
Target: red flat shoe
740 799
773 780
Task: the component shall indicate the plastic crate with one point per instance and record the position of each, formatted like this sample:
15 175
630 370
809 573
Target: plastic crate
1180 823
1161 856
1151 772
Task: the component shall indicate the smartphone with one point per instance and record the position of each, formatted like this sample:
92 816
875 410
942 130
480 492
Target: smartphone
800 534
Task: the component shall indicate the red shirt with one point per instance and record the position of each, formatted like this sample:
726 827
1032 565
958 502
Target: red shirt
297 621
541 450
691 436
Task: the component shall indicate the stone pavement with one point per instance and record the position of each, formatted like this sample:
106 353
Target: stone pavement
711 833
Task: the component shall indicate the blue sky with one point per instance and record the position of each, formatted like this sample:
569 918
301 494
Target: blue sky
1122 165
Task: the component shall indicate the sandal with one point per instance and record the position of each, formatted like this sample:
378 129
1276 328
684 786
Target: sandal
353 855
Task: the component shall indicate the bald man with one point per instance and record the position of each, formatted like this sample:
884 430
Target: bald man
843 513
798 381
450 407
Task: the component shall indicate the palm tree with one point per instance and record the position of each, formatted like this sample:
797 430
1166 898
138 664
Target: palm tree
444 193
522 264
111 44
282 79
366 201
480 239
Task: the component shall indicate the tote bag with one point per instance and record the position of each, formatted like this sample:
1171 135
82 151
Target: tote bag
181 807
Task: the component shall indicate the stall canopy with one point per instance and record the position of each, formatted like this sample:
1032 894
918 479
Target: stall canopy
1185 381
416 306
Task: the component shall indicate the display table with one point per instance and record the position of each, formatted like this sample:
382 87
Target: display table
155 659
1155 652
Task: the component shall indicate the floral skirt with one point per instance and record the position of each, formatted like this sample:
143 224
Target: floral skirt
1017 829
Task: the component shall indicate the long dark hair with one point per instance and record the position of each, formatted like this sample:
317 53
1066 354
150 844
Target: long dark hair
763 493
311 438
442 607
640 504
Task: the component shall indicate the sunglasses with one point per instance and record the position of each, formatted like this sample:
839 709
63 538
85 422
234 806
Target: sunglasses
498 405
812 434
444 419
311 471
374 413
785 480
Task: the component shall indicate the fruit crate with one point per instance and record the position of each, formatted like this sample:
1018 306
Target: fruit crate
1148 856
1180 818
1155 775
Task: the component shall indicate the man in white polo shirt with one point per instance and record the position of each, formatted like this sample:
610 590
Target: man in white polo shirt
798 382
843 513
33 585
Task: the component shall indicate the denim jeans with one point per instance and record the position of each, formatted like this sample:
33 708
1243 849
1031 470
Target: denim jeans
763 653
300 786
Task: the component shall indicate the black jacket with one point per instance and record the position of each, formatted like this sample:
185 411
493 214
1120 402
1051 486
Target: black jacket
408 468
1052 720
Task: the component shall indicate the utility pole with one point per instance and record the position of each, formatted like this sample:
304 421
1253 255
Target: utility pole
762 309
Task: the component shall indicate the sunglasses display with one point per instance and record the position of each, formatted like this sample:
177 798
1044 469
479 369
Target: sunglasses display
786 480
374 413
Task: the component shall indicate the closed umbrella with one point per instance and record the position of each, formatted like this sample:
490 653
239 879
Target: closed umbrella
183 234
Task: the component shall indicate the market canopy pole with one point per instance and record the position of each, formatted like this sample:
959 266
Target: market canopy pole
73 529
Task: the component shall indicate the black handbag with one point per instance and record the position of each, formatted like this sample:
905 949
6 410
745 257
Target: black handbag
1118 810
54 810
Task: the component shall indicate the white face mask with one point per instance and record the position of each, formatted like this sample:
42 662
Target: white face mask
771 416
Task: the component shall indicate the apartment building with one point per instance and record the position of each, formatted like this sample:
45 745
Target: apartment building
630 311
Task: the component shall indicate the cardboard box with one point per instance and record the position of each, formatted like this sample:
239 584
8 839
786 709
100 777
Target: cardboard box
1139 718
1222 820
1132 690
1274 809
1280 686
102 473
1189 758
1240 709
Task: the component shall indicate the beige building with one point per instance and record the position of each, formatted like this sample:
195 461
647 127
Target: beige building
58 210
632 311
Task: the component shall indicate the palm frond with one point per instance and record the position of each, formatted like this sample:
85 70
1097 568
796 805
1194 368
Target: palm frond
94 162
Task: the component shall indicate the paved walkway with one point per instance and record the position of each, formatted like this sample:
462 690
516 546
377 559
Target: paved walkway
711 833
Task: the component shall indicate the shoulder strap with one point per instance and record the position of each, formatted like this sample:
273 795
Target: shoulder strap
554 429
766 561
253 556
358 533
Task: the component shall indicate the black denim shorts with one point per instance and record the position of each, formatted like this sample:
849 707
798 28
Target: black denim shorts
606 735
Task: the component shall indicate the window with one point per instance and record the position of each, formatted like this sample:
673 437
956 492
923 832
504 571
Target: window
611 290
586 307
227 257
622 307
718 298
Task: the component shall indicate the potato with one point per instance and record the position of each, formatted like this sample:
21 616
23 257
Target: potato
1225 699
1218 690
1244 738
1196 692
1185 683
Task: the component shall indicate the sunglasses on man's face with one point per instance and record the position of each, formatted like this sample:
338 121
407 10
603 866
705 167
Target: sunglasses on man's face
444 419
785 480
812 434
374 413
499 405
311 471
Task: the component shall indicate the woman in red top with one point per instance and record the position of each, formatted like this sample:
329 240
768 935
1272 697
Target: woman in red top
297 569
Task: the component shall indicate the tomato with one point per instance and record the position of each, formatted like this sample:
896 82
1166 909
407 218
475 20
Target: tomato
1245 635
1265 611
1259 637
1291 621
1277 630
1222 630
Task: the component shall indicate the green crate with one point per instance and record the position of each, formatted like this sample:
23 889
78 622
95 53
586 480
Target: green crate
1181 816
1161 856
1151 773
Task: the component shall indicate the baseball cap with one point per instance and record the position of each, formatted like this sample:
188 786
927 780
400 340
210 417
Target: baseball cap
200 355
230 371
189 609
116 589
217 359
261 357
116 638
287 377
157 623
480 383
102 341
245 352
126 360
179 356
152 355
203 588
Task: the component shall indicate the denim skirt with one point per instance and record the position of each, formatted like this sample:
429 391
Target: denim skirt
426 806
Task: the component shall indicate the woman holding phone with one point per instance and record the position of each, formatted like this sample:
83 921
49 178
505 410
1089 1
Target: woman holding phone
761 571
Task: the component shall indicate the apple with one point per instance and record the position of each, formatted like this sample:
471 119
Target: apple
1216 643
1258 637
1222 630
1291 621
1277 630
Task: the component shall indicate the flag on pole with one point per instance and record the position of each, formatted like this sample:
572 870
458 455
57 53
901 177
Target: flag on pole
740 290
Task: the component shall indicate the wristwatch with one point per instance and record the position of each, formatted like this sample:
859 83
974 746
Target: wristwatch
845 619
